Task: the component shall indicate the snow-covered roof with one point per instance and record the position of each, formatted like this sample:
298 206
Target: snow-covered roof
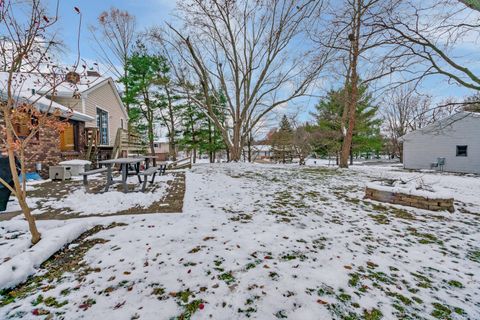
162 140
34 88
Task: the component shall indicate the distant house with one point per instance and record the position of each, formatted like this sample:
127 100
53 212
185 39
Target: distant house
452 144
162 148
259 152
89 102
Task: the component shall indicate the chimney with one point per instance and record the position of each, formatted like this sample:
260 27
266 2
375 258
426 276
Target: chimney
72 77
93 73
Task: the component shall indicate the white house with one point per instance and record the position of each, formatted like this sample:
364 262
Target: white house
452 144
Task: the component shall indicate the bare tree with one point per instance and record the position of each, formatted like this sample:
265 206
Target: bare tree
404 110
430 31
364 55
251 51
25 30
115 40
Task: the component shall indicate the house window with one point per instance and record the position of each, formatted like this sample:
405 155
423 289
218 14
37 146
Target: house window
67 139
102 124
462 151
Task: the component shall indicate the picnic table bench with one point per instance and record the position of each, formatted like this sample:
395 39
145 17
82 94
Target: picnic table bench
91 172
152 171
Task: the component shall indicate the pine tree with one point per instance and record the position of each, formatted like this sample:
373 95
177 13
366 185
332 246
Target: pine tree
366 135
145 73
282 141
200 135
192 121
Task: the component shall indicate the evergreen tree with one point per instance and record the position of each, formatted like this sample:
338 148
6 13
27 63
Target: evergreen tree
192 121
282 141
200 135
145 73
328 115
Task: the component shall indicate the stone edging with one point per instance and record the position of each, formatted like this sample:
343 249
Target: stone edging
410 200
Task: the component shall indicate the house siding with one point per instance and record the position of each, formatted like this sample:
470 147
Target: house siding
104 98
423 147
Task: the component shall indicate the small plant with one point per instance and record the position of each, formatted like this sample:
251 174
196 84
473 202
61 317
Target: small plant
227 277
373 314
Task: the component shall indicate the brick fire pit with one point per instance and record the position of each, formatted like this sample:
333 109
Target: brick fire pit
418 201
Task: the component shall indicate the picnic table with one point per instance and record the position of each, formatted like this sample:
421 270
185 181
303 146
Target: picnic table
124 164
148 159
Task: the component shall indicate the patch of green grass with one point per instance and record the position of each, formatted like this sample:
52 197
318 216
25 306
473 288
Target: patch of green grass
425 238
440 311
195 250
227 277
423 281
38 300
190 309
274 275
380 218
183 296
459 311
52 302
293 256
380 277
402 298
250 265
455 283
319 243
417 300
242 218
248 311
344 297
354 279
159 292
373 314
474 255
396 212
325 290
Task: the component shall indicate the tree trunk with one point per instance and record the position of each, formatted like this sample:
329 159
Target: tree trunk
236 147
353 87
400 151
151 139
19 192
235 153
210 142
194 141
171 139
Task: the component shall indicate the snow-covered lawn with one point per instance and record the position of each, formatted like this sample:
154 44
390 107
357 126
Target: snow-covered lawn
69 199
269 242
85 203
